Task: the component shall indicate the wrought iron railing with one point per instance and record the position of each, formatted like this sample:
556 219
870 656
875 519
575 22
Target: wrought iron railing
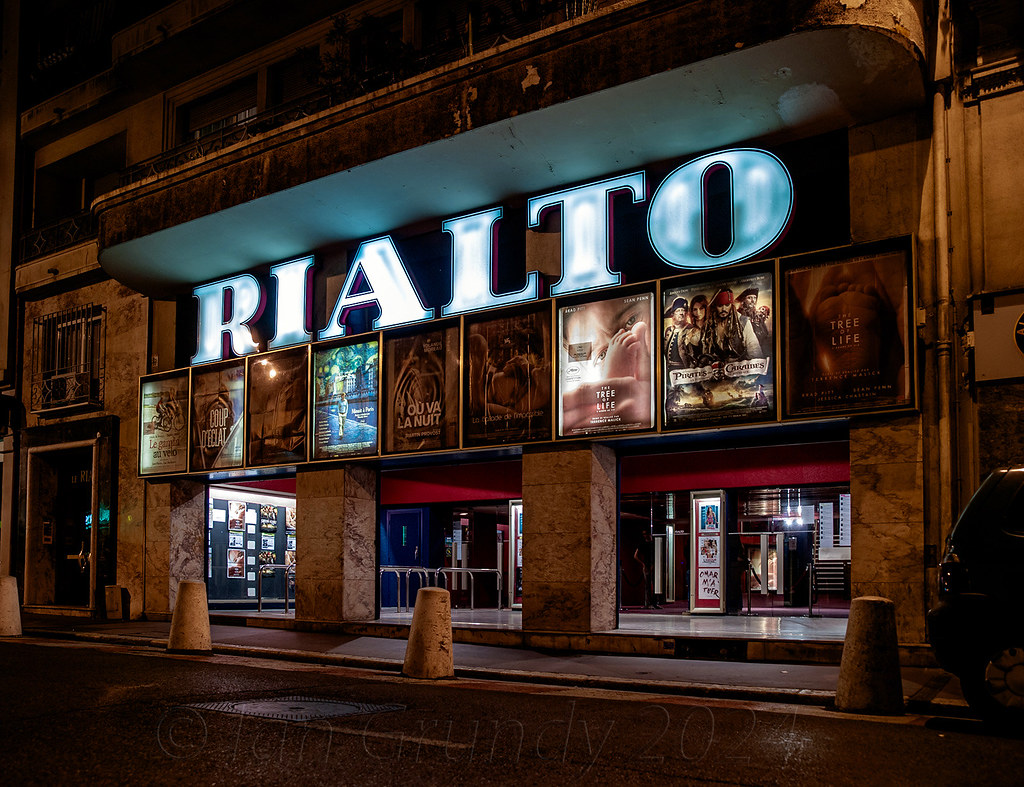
68 349
60 235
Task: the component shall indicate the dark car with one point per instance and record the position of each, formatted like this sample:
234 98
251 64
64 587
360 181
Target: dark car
977 628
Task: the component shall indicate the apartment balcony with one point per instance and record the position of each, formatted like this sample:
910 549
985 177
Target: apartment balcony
624 86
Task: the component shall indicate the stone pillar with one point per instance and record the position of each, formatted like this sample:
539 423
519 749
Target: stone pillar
335 545
175 540
569 554
887 528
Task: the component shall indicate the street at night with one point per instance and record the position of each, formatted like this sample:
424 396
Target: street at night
112 714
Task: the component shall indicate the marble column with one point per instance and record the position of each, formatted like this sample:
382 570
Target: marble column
887 529
569 516
335 544
175 540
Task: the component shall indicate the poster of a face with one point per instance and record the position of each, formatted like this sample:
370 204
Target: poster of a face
508 379
217 420
345 383
289 519
709 517
718 342
846 345
164 441
236 516
421 381
605 366
277 407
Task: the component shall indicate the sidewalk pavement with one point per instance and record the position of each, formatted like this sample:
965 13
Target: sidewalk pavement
927 689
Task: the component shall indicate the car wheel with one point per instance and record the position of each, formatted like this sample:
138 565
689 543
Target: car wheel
995 688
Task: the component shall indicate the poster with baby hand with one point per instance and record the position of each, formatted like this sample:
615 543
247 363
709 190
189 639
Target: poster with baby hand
605 365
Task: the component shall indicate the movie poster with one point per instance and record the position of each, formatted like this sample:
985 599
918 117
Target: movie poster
217 433
718 346
605 366
847 335
236 563
421 381
278 386
345 382
164 444
508 379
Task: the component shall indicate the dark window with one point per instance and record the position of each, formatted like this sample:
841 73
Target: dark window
228 107
68 359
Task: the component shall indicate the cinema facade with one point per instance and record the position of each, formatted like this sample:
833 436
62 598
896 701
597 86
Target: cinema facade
615 292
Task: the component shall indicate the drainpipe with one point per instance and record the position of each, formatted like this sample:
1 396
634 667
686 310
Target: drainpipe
943 223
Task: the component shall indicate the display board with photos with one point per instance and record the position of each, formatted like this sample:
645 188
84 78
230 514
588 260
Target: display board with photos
244 536
163 424
508 378
278 396
718 350
707 593
606 366
421 390
217 431
345 391
849 340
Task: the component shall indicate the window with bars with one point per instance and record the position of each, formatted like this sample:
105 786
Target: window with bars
67 359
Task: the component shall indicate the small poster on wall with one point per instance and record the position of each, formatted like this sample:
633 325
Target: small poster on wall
236 563
345 383
709 585
605 366
708 517
707 551
236 540
848 333
164 444
236 515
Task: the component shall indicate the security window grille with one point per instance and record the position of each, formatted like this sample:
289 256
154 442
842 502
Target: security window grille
67 367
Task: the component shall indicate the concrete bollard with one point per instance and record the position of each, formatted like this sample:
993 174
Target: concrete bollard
10 609
190 623
428 653
869 672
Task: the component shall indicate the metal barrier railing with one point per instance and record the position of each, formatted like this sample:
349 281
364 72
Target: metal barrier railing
496 572
407 571
289 569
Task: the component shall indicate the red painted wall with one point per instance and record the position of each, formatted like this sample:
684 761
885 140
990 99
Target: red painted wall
452 483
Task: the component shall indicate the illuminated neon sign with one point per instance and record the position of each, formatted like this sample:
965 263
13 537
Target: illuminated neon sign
755 211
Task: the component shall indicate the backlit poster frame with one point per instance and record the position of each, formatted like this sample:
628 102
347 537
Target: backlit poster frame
163 423
849 344
346 399
507 383
277 401
707 547
217 421
606 365
718 350
420 402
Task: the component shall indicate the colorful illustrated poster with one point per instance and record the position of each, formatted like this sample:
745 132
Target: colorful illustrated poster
217 421
278 393
268 518
508 379
707 544
163 445
345 382
847 336
605 366
718 346
421 381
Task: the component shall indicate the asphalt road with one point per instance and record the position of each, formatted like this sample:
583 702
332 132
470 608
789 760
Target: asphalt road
105 714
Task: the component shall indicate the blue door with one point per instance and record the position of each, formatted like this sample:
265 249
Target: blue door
402 543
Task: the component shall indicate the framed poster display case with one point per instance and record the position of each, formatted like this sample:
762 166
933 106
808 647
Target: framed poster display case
707 545
276 412
217 423
718 350
163 423
849 344
507 360
345 399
